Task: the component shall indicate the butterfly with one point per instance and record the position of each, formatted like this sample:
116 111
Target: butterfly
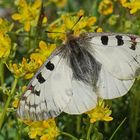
92 65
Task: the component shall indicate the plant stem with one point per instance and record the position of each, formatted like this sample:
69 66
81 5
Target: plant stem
117 128
78 124
29 40
69 135
1 73
89 131
2 117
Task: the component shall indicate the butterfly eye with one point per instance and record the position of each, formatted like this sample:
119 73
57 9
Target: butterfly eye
50 66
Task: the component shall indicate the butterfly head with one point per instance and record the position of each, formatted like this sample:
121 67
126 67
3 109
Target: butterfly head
70 35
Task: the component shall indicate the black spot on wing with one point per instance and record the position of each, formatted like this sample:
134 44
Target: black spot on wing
134 43
37 93
119 40
133 46
104 40
50 66
40 78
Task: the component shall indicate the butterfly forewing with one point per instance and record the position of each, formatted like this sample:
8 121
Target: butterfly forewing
119 54
45 98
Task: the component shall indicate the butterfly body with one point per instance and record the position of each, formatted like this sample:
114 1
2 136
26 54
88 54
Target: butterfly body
84 66
77 73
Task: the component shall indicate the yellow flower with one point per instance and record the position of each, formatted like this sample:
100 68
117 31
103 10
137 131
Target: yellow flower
5 26
30 67
5 45
134 5
16 69
98 30
43 52
27 68
113 19
80 13
68 22
46 130
15 103
122 1
28 13
5 41
101 112
59 3
106 7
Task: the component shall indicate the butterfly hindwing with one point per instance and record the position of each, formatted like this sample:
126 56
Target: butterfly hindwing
84 98
45 97
110 87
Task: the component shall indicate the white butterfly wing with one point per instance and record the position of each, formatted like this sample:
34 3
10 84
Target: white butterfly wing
110 87
83 99
121 60
48 92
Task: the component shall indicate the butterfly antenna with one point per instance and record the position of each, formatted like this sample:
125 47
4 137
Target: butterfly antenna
54 32
64 32
76 22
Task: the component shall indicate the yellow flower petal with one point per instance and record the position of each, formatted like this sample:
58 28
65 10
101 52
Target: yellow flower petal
33 133
44 137
81 13
16 16
5 45
23 3
44 20
28 75
42 45
100 113
37 4
91 21
106 7
27 26
15 103
99 30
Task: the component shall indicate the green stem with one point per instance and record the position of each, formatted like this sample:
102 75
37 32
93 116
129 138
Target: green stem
117 128
29 41
89 131
78 124
1 73
135 117
19 130
69 135
2 117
